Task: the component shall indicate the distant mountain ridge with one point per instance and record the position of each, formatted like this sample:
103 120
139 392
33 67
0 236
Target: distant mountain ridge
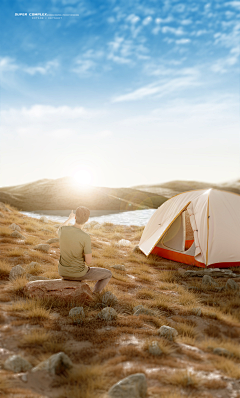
61 194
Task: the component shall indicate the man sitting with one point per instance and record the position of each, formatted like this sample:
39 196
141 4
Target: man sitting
76 253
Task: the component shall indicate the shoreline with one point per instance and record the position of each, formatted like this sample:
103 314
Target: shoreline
65 213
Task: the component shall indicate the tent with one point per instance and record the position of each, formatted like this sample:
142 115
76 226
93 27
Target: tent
214 217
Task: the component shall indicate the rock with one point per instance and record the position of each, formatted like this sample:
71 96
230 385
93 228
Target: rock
32 266
124 242
16 234
167 332
144 311
1 214
221 351
134 386
61 289
16 272
196 311
42 247
55 365
44 219
17 364
31 277
231 285
4 207
24 378
57 225
97 226
15 227
208 281
222 273
154 348
109 299
136 249
119 267
107 314
77 314
137 307
53 240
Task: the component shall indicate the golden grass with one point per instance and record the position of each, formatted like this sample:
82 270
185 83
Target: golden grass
186 330
36 270
16 286
183 378
31 240
17 252
227 366
230 345
145 294
109 251
4 384
84 382
214 384
5 269
33 309
166 346
5 231
168 276
36 337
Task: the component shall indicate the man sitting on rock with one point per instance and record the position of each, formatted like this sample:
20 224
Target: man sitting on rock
76 253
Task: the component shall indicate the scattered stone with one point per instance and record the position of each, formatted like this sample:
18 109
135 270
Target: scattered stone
42 247
208 281
222 351
1 214
58 288
17 364
44 219
167 332
209 271
144 311
24 378
15 227
137 307
134 386
109 299
56 364
197 311
124 242
32 266
107 314
154 348
231 285
16 272
77 314
16 234
53 240
119 267
136 249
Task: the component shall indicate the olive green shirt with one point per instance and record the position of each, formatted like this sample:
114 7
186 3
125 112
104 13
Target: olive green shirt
74 244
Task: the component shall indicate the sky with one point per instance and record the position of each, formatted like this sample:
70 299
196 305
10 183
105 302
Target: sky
119 93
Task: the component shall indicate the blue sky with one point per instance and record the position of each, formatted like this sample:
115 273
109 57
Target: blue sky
130 92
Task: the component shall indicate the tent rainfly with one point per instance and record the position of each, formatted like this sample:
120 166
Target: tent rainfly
215 221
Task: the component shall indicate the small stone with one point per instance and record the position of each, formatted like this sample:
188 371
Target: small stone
42 247
134 386
144 311
197 311
44 219
136 249
24 378
119 267
16 272
137 307
221 351
208 281
15 227
231 285
109 299
77 314
53 240
32 266
154 348
16 234
167 332
17 364
1 214
56 364
124 242
107 314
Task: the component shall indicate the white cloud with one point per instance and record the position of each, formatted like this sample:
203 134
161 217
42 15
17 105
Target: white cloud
234 4
147 21
49 67
133 18
7 64
223 64
175 31
183 41
83 66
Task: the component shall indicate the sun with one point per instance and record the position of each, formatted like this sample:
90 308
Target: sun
82 177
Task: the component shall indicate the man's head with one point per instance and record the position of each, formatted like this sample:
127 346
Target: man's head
82 215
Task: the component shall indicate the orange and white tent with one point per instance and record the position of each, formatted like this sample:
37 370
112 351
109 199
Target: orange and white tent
215 221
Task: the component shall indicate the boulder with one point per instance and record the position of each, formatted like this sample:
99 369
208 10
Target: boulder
154 348
134 386
109 299
120 267
44 219
53 240
231 285
221 351
107 314
77 314
42 247
16 234
124 242
17 364
167 332
55 365
32 266
15 227
61 289
208 281
16 272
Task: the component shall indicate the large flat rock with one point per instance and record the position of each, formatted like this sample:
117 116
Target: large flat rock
59 288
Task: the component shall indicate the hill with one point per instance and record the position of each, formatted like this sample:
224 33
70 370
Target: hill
61 194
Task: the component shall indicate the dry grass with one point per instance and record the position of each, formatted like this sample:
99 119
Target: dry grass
32 309
36 337
214 384
227 366
167 347
31 240
5 269
168 276
17 286
232 346
183 378
5 231
17 252
145 294
186 330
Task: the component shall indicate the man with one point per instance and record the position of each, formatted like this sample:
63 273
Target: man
76 253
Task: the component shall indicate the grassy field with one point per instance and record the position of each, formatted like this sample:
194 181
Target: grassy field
105 352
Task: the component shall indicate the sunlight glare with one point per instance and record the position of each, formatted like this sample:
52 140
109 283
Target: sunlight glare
82 178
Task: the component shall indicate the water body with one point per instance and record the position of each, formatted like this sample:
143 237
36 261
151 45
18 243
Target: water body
136 217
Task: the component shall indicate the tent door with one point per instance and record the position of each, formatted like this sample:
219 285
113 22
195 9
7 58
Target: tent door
174 238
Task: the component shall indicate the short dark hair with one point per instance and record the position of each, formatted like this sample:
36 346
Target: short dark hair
82 214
